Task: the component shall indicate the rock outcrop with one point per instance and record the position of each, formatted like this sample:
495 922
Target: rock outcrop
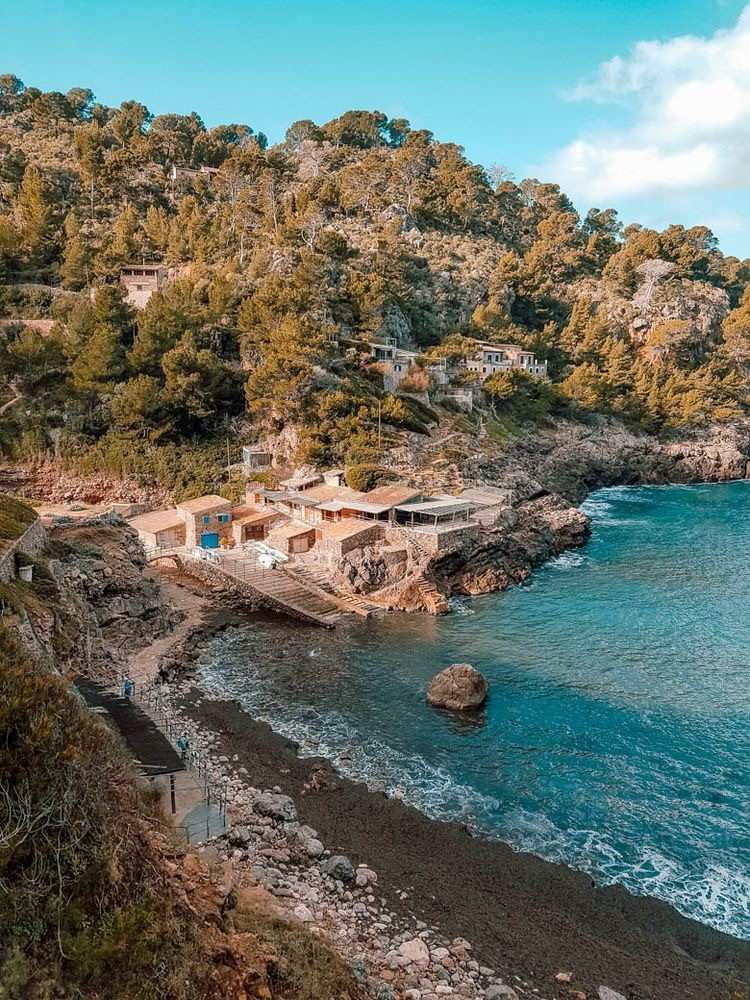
100 605
459 688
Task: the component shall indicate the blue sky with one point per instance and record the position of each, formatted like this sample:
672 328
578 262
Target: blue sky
564 91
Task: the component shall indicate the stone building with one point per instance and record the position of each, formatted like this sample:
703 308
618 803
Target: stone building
208 521
492 358
140 281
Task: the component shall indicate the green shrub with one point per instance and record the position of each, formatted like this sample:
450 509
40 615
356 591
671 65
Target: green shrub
307 968
366 476
84 908
15 517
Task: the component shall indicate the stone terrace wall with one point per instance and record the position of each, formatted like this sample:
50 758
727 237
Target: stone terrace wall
31 543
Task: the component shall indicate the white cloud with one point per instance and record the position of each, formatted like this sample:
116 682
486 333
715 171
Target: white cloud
690 104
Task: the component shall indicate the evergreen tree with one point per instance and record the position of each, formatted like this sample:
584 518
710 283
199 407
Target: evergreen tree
35 214
74 270
156 228
101 363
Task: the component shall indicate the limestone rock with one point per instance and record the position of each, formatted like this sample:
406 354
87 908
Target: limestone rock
338 867
459 687
605 993
239 836
276 806
416 951
313 847
500 992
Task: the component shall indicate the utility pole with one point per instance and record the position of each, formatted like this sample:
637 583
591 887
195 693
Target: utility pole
229 472
380 435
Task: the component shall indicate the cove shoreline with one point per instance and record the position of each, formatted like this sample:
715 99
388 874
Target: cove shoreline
532 918
528 916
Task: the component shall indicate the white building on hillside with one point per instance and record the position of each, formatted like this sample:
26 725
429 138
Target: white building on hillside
492 358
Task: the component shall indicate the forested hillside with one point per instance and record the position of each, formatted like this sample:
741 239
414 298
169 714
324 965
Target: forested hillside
286 259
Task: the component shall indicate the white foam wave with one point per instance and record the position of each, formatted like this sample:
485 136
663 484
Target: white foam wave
596 508
382 768
568 560
713 892
459 606
716 894
601 510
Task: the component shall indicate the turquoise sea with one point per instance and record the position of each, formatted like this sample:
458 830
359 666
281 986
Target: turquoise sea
617 735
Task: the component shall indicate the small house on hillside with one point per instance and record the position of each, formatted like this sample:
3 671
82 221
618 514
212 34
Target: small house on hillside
394 362
140 281
160 529
208 521
301 481
490 359
333 477
256 459
252 525
336 538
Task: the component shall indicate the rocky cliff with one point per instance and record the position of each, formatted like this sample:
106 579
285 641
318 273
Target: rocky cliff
93 603
543 477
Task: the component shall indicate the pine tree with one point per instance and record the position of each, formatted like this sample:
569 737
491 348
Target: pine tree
156 228
74 270
101 362
36 217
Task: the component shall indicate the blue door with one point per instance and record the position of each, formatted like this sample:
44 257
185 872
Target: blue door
210 540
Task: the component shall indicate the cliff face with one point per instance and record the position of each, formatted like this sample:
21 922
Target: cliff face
98 604
573 458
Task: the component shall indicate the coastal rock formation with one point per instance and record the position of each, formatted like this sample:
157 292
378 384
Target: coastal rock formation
572 459
459 687
100 604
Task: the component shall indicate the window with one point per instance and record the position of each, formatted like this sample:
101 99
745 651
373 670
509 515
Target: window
206 518
223 518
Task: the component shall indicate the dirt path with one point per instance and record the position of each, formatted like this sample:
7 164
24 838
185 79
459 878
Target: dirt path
11 402
187 597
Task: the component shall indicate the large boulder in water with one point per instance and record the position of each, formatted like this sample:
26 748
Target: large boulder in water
459 687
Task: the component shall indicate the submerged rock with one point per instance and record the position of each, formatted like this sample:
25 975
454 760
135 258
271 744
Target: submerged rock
459 687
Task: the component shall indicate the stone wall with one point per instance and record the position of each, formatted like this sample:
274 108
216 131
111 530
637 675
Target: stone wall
432 542
31 543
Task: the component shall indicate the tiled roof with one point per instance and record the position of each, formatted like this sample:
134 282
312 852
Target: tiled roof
202 505
157 520
392 495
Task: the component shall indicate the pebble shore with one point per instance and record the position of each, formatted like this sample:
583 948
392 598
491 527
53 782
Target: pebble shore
392 954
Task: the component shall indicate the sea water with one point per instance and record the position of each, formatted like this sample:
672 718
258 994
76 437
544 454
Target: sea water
617 734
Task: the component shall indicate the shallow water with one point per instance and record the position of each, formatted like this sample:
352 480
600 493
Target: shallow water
616 738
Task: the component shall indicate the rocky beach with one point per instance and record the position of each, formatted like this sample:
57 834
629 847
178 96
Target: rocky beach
425 909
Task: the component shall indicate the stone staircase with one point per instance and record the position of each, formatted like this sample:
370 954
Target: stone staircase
434 600
283 591
317 579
